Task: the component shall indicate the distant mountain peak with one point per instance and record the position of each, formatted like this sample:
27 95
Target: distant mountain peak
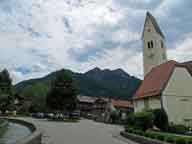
121 72
96 69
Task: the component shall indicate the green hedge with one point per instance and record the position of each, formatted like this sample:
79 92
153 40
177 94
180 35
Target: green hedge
189 141
170 139
173 139
160 137
181 141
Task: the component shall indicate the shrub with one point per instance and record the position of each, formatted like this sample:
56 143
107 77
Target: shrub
160 137
146 134
151 135
180 129
160 119
138 132
129 130
170 139
189 141
181 141
144 120
130 119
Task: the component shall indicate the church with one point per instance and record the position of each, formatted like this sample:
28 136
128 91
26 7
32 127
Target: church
167 84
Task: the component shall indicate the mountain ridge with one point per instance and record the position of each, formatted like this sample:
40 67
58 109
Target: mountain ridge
95 82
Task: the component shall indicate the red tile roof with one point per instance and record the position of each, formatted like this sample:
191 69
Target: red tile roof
121 104
156 80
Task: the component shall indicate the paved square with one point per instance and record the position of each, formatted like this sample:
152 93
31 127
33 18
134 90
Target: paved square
84 132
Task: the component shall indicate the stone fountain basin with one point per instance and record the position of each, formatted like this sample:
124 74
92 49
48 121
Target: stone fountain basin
20 132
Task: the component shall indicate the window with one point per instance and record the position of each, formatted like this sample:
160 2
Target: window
150 44
162 45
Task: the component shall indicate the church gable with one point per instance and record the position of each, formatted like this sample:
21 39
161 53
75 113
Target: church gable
180 83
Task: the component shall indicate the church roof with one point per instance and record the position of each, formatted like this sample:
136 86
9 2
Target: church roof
156 80
155 24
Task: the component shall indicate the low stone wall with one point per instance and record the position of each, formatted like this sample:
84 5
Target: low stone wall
34 138
140 139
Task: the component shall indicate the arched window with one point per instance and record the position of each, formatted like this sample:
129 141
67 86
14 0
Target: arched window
150 44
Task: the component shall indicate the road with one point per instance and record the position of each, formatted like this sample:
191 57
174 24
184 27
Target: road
83 132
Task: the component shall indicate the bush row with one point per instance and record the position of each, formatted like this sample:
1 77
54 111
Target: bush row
147 119
161 137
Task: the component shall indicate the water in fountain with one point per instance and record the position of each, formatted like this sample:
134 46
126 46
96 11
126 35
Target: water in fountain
14 133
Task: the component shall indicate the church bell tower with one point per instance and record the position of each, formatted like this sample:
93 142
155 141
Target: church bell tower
154 48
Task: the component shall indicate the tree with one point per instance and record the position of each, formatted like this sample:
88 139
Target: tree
5 82
63 93
161 119
37 95
6 91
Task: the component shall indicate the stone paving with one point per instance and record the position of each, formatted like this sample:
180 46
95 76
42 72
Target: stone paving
84 132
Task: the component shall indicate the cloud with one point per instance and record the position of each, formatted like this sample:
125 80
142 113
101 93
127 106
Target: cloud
183 50
38 37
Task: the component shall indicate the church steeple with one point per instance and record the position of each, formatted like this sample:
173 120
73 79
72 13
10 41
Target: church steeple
154 48
149 17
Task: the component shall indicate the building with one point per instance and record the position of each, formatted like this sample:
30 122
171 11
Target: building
86 105
101 107
167 84
154 47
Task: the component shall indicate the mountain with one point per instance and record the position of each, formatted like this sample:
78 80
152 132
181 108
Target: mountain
96 82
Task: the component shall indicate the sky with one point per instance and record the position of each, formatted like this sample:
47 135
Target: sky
40 36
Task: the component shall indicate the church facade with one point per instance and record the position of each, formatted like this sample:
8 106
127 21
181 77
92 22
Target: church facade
167 84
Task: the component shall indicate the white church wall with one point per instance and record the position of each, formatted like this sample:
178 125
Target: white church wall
138 105
154 103
147 104
177 97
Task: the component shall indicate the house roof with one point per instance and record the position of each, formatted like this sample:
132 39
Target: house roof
155 24
121 103
156 80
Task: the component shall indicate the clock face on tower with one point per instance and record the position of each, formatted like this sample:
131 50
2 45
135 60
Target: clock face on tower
151 56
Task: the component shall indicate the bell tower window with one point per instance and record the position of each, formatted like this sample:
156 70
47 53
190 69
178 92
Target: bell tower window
150 44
